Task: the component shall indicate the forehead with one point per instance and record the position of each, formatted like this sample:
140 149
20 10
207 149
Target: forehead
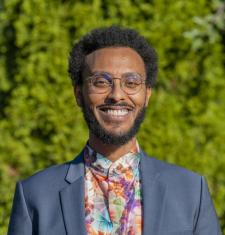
115 60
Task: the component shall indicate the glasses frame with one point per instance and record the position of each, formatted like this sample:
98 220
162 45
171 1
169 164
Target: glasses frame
109 88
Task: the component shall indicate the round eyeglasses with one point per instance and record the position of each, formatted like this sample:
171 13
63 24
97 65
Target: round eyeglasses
102 82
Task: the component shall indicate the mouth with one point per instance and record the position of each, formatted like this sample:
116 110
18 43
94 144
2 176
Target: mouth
116 111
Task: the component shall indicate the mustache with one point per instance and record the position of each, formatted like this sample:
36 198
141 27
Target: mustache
122 104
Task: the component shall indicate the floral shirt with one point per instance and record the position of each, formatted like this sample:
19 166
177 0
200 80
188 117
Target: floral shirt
112 194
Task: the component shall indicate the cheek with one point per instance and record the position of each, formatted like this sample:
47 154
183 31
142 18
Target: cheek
93 100
139 99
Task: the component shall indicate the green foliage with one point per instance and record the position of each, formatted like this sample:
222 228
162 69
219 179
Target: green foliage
40 124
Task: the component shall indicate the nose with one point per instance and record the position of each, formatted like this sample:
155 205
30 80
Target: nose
116 94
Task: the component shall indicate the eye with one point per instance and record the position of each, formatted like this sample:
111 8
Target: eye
132 80
101 80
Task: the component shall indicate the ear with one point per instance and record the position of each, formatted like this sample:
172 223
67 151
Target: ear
78 94
148 95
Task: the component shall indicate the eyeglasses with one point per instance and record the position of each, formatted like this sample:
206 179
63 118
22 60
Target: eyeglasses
102 82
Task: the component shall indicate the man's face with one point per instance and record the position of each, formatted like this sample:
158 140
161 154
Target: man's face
115 116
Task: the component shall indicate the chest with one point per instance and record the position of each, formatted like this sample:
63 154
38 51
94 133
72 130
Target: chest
113 205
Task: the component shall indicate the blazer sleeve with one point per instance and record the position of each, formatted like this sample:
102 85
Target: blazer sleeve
20 221
207 222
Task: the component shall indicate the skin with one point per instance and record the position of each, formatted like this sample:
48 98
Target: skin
115 60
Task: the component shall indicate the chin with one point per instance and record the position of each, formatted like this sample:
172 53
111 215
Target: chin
110 130
116 129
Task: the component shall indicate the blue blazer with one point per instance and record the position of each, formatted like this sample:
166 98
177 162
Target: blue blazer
175 201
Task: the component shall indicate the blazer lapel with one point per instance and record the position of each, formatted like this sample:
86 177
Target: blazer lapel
72 199
153 192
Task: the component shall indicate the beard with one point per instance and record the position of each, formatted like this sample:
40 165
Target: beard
108 137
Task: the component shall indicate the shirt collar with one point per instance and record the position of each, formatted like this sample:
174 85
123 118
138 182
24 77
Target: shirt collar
104 166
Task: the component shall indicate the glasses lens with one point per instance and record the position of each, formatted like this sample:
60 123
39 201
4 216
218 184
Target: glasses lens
101 82
131 82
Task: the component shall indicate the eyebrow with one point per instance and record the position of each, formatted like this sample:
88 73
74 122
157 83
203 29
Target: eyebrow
102 71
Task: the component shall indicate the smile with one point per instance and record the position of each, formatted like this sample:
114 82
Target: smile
116 112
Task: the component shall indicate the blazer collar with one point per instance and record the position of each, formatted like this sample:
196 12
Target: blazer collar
72 198
76 169
153 192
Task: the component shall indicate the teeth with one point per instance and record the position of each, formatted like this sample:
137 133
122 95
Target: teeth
120 112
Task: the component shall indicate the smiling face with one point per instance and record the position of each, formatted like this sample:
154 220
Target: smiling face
114 117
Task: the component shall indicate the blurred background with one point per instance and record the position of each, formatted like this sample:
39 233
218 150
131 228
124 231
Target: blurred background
41 125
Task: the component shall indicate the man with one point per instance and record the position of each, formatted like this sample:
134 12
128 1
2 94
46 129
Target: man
112 186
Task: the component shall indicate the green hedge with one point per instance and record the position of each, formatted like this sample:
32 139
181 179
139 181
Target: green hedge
40 124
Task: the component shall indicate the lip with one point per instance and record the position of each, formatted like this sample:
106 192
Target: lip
115 107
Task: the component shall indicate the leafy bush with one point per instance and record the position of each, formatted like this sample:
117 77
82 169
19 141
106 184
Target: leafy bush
40 124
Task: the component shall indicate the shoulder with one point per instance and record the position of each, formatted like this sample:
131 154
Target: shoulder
182 185
165 167
171 174
56 174
53 176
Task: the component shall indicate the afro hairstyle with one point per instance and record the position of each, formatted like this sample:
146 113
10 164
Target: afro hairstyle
113 36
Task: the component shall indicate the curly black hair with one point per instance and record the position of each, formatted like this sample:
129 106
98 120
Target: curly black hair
113 36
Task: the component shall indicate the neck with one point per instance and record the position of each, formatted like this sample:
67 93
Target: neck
112 152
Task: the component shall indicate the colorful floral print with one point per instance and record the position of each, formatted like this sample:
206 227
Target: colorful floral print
112 194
